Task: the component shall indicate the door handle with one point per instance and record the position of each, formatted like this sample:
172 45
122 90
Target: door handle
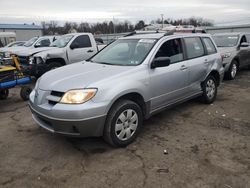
206 61
90 51
183 67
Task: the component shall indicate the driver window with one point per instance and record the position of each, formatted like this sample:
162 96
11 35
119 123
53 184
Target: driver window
172 49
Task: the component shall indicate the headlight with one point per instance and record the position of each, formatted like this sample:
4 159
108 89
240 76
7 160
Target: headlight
7 54
39 60
78 96
31 59
226 55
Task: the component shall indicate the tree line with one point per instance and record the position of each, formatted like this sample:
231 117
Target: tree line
53 27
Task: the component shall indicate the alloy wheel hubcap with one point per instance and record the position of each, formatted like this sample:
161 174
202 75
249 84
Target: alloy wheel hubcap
234 70
210 89
126 124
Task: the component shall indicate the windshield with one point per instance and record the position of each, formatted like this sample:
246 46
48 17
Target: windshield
226 40
125 52
30 42
62 41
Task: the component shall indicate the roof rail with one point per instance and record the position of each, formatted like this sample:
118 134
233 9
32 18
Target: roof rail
141 32
171 32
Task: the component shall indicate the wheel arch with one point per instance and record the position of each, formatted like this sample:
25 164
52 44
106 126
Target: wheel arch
59 60
135 97
216 75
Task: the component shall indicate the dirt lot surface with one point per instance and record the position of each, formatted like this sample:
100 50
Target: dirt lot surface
205 146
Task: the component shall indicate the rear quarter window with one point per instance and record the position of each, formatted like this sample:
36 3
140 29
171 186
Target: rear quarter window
194 47
209 46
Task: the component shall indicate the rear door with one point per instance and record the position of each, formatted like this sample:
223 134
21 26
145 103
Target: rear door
248 51
169 84
83 50
244 52
197 63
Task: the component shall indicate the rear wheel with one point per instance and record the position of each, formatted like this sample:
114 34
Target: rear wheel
4 93
25 92
209 88
123 123
233 70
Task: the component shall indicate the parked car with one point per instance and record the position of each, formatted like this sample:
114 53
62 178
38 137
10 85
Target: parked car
131 79
34 44
6 38
235 50
70 48
14 44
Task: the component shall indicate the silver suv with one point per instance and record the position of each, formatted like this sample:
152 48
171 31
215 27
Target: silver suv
131 79
235 49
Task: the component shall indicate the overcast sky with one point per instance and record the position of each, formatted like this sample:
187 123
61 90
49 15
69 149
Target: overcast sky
220 11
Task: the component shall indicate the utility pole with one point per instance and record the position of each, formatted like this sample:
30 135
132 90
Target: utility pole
114 24
162 20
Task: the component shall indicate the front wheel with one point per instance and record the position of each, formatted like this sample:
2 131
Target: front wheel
233 70
4 93
123 123
209 88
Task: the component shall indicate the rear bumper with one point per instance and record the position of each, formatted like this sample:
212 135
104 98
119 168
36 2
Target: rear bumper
92 127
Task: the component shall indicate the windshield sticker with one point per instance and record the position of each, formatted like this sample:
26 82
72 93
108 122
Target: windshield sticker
147 41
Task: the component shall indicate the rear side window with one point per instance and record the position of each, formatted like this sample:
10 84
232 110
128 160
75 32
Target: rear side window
194 47
209 46
82 41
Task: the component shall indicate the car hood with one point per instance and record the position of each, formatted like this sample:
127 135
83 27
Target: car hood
52 52
226 49
79 75
13 49
29 52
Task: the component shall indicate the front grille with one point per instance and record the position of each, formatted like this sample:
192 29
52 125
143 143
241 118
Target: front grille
7 76
55 97
57 93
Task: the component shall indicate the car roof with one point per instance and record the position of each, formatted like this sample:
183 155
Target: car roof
160 35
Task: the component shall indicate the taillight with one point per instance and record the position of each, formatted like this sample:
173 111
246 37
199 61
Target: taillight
222 57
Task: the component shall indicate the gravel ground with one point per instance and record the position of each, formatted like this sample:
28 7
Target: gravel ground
206 146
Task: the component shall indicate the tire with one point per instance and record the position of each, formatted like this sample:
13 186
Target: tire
54 65
120 130
232 71
4 94
25 93
209 88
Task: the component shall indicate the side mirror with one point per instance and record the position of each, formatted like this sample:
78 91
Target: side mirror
74 46
160 62
244 45
37 45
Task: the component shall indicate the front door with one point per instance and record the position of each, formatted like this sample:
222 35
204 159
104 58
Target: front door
81 49
169 84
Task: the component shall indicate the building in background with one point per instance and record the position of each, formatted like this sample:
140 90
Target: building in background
228 29
23 31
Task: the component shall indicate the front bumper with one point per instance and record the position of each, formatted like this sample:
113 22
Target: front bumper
77 121
6 61
84 128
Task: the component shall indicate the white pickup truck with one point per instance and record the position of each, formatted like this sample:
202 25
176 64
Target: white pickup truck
69 48
32 46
